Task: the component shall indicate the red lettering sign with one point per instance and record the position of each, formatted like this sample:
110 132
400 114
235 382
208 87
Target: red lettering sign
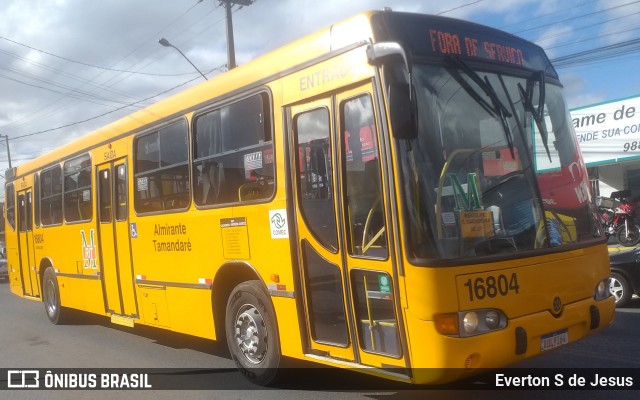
451 43
447 43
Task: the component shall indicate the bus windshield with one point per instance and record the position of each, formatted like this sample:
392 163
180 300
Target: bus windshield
495 167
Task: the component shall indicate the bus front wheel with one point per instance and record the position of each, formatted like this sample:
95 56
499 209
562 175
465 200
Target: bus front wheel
51 297
252 333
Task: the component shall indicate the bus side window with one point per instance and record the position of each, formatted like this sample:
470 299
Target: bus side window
162 170
77 189
375 312
11 205
314 168
233 153
367 231
51 196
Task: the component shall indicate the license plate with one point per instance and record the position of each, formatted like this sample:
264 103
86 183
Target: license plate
554 339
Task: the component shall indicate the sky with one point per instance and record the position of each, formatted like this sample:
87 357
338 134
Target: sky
68 67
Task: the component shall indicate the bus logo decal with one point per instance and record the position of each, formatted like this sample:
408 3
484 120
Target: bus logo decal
89 252
469 200
278 224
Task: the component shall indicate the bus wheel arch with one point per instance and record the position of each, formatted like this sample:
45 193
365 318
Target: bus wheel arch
229 276
44 264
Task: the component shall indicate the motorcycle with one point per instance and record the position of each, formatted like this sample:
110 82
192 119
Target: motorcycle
619 221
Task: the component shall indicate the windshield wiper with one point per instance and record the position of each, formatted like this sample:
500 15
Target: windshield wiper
538 114
497 109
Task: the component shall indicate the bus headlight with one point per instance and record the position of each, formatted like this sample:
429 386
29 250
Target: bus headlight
602 290
492 319
477 322
470 323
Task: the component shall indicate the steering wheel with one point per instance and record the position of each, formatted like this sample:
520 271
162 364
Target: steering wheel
366 244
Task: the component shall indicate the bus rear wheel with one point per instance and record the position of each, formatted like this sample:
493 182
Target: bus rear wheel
51 297
252 333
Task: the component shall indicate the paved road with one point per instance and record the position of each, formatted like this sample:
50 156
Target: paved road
28 340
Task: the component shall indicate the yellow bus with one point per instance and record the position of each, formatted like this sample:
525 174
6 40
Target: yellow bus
400 194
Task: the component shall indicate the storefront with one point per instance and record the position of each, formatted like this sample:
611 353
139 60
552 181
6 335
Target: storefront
609 137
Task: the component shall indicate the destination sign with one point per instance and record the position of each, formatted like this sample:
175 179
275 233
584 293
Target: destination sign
451 43
427 35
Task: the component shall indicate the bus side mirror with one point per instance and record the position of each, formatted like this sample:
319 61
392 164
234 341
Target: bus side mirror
401 111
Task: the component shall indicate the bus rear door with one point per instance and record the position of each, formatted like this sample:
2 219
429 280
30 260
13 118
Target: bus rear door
113 236
29 272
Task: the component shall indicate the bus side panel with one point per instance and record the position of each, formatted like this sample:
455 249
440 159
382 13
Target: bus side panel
13 264
81 294
72 249
173 256
190 311
270 254
290 334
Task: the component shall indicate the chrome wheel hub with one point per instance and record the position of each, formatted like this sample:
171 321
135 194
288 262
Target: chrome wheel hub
50 298
251 334
616 289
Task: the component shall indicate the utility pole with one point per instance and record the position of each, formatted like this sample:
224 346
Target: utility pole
6 140
231 52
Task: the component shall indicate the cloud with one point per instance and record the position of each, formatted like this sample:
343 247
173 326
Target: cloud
576 91
123 35
621 20
553 36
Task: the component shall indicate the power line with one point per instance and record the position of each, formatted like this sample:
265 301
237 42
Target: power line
459 7
110 112
134 103
626 48
92 65
58 92
594 37
529 19
63 107
63 73
70 89
144 66
576 17
587 27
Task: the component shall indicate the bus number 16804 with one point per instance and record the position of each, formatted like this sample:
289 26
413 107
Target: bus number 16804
492 286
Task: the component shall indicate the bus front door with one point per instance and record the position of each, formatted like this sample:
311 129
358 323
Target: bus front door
29 272
113 235
329 324
348 272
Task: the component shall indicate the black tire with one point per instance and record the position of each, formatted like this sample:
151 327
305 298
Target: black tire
252 333
51 298
620 289
630 238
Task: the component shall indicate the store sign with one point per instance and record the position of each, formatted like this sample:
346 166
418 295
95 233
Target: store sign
608 132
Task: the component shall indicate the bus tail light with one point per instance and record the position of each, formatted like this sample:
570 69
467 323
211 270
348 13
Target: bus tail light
470 323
